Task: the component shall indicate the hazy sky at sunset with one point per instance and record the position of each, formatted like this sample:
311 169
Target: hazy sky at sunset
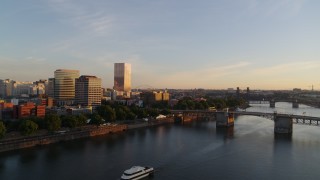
267 44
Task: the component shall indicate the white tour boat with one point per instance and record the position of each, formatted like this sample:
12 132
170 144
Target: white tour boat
137 172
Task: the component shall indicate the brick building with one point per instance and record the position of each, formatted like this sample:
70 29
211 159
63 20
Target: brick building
28 109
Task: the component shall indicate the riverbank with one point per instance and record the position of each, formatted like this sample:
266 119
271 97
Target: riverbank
150 123
43 138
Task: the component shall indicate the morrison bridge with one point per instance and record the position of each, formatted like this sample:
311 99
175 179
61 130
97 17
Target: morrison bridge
283 123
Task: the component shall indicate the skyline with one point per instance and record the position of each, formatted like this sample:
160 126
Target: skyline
212 45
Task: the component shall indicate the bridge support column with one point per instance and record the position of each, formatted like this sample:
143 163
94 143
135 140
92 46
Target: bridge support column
224 119
295 104
272 103
283 124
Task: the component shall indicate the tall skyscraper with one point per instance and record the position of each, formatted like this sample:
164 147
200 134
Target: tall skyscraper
2 88
64 86
88 91
50 88
122 77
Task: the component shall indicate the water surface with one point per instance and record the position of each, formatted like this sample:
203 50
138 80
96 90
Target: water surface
196 150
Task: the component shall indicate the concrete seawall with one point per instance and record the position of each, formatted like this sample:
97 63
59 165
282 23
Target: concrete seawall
31 141
14 144
151 123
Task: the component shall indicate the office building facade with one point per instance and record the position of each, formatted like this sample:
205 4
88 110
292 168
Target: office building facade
50 88
6 87
88 91
122 77
64 86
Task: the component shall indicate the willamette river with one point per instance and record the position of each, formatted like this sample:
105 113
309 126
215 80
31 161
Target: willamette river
194 151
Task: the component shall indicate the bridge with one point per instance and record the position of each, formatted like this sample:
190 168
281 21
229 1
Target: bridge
295 103
283 122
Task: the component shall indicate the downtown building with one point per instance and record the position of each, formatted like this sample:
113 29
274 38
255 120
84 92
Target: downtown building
122 78
88 91
6 87
63 86
151 97
11 88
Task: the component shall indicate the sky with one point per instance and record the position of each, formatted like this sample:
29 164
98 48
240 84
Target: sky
187 44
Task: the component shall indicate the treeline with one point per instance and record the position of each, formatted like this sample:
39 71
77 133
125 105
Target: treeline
108 112
51 122
112 112
105 113
188 103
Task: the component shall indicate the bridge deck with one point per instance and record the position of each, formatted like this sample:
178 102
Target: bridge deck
298 119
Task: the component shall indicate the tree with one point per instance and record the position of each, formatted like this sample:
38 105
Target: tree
153 112
3 129
181 105
140 112
191 104
39 121
12 125
131 116
198 105
204 104
219 103
96 119
28 127
70 121
160 105
82 120
107 112
53 122
165 111
121 114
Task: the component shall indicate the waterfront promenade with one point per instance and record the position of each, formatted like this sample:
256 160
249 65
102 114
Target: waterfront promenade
19 142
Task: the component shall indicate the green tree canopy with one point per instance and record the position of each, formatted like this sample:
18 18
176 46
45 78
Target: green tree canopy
107 112
153 112
28 127
3 129
131 116
96 119
70 121
182 104
53 122
39 121
121 114
139 112
165 111
198 105
82 120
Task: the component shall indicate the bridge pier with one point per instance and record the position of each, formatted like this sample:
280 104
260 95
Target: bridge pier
272 103
295 104
224 119
283 124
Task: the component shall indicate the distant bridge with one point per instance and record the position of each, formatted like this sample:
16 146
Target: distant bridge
295 103
259 102
283 122
297 119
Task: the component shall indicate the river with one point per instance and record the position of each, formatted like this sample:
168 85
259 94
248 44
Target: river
193 151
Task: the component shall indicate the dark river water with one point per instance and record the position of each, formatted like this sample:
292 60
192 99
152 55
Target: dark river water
197 150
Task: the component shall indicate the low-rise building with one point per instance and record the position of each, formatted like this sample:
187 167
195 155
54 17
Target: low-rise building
72 110
79 110
28 109
150 97
6 110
